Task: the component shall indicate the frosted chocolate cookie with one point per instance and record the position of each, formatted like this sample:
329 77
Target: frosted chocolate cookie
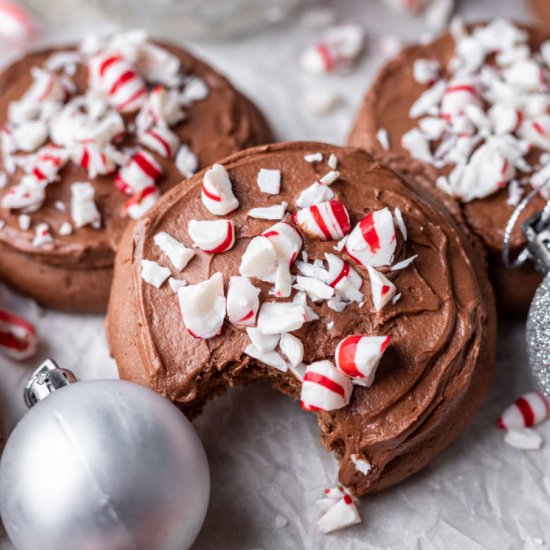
473 108
328 274
91 136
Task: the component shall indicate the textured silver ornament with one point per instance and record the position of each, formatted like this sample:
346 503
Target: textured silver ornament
538 336
103 465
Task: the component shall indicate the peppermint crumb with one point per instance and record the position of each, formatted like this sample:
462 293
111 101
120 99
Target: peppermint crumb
314 157
330 325
281 521
383 138
333 161
60 205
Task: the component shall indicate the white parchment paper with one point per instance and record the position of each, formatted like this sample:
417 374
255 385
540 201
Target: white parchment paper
264 453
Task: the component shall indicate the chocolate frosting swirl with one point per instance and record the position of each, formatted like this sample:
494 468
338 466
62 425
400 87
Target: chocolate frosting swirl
430 380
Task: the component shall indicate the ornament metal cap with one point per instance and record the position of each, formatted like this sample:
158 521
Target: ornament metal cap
46 379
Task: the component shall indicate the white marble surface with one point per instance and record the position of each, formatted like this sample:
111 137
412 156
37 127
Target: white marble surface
264 452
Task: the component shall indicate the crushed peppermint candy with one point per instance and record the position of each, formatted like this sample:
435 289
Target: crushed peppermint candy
313 157
338 509
269 181
18 338
383 138
42 235
275 212
24 221
485 117
52 124
212 236
177 252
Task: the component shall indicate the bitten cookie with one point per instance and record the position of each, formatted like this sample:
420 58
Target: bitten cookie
473 108
91 136
327 273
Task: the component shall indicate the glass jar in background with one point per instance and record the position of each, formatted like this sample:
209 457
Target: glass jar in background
192 19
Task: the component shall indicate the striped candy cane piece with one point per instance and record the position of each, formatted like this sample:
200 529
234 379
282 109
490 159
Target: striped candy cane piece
95 161
119 79
325 388
18 338
537 132
142 201
15 22
358 357
212 236
161 140
461 92
48 162
373 241
383 290
42 235
28 195
528 410
217 191
327 221
286 241
141 172
242 301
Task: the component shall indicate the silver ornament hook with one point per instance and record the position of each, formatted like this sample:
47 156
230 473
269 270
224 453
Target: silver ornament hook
537 232
46 379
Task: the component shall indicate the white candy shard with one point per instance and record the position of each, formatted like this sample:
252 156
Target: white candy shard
212 236
325 388
280 317
24 221
332 161
292 348
525 439
417 144
340 515
362 465
326 221
186 161
426 71
153 273
373 241
313 157
269 181
275 212
30 135
400 222
65 229
202 306
383 138
83 208
358 357
242 301
176 284
314 194
382 289
403 264
217 191
177 252
316 290
28 195
270 358
528 410
263 342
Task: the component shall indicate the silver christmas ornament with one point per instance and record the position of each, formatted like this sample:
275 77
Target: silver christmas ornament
101 465
537 232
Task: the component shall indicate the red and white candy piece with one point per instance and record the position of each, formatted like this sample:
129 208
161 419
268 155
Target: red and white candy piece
358 357
203 307
217 191
528 410
119 79
373 240
162 106
95 161
460 92
30 135
141 172
15 23
161 140
383 290
242 301
270 358
83 208
292 348
344 279
339 512
28 195
325 388
177 252
142 201
327 221
18 338
42 235
338 48
212 236
286 241
49 161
